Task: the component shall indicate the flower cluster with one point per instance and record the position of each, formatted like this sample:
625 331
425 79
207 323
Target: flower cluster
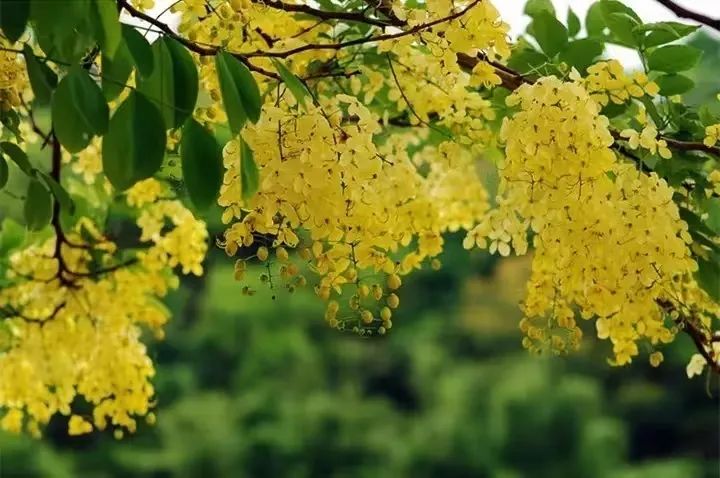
13 80
714 179
647 139
609 241
73 317
363 210
607 81
712 135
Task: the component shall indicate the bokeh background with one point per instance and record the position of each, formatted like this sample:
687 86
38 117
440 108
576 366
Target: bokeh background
255 387
261 387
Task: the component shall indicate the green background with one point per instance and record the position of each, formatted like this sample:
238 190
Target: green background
250 386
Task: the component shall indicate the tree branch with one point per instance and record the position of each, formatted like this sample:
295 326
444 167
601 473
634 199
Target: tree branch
677 144
64 274
512 80
56 163
683 12
327 15
360 41
407 101
385 7
190 45
702 340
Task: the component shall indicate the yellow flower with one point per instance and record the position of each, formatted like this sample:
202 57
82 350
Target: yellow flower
696 365
592 218
483 74
656 359
712 135
12 421
144 192
77 425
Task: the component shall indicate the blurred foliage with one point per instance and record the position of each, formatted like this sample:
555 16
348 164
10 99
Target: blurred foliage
255 387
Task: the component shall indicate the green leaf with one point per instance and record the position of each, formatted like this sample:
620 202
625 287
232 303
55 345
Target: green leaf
621 25
659 33
708 276
115 72
621 20
106 23
595 21
79 110
581 53
712 207
14 16
534 7
229 90
674 58
525 60
18 156
202 166
11 120
63 30
134 145
186 82
61 195
4 172
12 235
82 208
173 83
551 35
239 91
695 223
42 79
707 116
249 174
615 6
651 109
159 86
612 110
674 84
139 49
573 23
38 206
292 82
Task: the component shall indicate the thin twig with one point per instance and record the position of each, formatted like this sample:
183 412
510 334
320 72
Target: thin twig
360 41
407 101
327 15
689 14
190 45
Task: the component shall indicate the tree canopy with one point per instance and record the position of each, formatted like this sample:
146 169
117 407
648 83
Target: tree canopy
341 142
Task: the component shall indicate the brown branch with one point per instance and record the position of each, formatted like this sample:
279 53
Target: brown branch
407 101
701 339
360 41
57 227
678 145
33 123
190 45
385 7
327 15
332 74
510 79
702 344
64 274
10 312
689 14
